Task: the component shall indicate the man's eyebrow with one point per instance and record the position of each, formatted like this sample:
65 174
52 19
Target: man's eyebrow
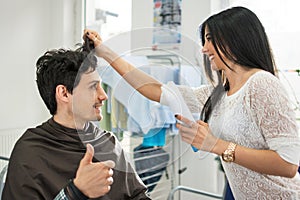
94 81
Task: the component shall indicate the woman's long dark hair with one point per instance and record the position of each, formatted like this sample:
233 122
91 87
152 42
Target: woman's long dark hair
239 35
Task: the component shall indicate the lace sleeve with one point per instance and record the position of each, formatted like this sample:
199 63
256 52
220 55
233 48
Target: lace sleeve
275 117
195 98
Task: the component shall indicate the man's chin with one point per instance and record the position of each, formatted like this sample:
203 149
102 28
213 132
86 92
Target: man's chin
99 118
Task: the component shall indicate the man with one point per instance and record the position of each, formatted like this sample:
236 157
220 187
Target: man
68 157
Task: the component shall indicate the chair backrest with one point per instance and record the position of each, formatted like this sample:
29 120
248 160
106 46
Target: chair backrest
3 176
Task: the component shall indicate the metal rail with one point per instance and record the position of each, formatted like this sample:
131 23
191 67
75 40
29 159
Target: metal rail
192 190
4 158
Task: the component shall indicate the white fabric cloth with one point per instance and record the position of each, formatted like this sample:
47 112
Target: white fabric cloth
257 116
191 75
174 95
144 114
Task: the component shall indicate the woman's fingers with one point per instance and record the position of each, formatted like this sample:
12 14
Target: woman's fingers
196 133
93 36
202 123
184 121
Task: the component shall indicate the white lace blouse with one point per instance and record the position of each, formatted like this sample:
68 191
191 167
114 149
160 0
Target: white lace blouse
257 116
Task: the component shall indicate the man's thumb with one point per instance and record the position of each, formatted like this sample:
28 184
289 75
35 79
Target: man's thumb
109 163
89 154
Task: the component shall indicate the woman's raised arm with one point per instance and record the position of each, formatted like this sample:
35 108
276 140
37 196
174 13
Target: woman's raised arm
142 82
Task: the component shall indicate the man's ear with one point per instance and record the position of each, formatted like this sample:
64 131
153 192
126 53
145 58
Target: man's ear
62 93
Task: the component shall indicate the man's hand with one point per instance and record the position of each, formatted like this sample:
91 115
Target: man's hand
94 179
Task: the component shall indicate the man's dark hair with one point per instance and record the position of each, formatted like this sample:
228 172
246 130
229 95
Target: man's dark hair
62 67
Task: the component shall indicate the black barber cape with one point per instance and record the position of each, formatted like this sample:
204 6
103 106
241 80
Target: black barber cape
46 157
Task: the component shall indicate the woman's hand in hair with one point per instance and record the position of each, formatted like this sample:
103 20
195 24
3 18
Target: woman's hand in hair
93 36
197 133
101 50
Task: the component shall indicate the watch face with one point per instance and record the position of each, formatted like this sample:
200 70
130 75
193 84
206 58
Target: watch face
227 156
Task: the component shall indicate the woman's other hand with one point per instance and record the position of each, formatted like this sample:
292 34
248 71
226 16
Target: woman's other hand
197 134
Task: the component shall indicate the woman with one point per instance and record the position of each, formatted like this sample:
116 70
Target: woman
246 118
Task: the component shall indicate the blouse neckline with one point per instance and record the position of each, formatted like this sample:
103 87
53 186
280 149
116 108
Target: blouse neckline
243 86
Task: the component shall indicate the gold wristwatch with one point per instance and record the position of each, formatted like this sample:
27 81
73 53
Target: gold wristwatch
228 154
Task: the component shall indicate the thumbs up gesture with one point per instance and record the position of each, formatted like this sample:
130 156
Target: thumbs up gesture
94 179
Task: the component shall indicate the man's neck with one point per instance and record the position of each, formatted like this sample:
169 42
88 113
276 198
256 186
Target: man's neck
68 122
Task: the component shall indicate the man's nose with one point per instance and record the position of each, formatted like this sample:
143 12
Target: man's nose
102 94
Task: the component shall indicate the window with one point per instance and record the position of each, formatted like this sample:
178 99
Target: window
109 18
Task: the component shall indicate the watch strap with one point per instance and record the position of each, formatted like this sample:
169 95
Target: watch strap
231 147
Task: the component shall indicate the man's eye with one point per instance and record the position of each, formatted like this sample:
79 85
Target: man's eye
94 86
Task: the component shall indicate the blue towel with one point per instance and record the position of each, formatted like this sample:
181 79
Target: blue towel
155 137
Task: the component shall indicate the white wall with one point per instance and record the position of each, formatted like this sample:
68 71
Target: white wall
28 29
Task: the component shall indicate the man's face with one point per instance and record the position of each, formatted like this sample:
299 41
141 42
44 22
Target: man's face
88 98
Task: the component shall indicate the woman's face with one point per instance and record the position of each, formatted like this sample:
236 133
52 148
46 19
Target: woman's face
209 50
